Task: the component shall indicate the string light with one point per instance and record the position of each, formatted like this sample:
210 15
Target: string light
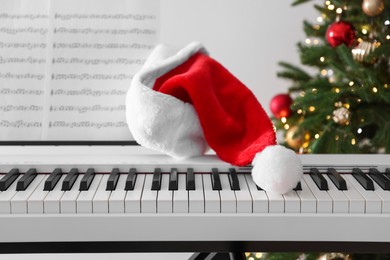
385 86
308 41
337 90
387 22
364 31
312 108
284 120
316 136
316 42
331 7
286 126
319 19
328 117
327 2
351 83
299 111
353 141
346 105
374 89
259 255
359 131
339 10
314 90
324 72
387 37
336 138
322 59
302 93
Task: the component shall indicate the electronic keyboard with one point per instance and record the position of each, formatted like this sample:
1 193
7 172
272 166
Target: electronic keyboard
130 199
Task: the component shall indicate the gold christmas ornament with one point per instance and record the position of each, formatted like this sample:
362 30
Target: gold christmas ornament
295 137
341 116
363 49
373 7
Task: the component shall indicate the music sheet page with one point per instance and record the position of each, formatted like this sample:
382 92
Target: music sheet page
65 66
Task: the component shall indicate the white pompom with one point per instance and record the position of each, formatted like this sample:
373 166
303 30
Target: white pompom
277 169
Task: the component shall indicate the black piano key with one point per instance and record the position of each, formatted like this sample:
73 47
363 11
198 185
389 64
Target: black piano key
69 180
190 179
319 180
298 187
362 179
173 184
156 182
215 180
382 180
8 179
387 173
233 179
258 188
130 180
113 179
26 179
53 179
87 179
337 179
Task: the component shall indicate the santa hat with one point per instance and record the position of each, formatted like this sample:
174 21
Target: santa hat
182 102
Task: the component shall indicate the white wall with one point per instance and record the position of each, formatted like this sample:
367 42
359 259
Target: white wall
249 37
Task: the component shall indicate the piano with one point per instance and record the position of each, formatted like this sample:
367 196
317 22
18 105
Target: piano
60 199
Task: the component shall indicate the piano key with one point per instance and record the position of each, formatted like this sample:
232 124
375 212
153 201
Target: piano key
149 196
243 196
84 202
233 180
131 179
324 201
373 202
211 197
173 179
362 179
336 178
196 196
190 183
35 201
308 200
87 179
357 203
298 187
8 179
165 196
387 173
384 195
180 196
340 201
70 179
51 203
26 179
292 202
69 198
318 179
228 198
133 197
19 201
380 179
53 179
6 196
156 182
215 180
102 195
116 202
275 203
259 197
113 179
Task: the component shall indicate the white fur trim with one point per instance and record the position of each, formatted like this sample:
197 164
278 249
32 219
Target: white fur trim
277 169
159 121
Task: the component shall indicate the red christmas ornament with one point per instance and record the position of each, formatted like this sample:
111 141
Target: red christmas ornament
280 105
340 32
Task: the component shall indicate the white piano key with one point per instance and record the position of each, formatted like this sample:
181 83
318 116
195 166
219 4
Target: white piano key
180 196
357 203
292 202
164 196
116 202
243 196
259 197
133 197
385 197
69 198
276 203
373 202
324 201
51 203
228 197
35 201
340 201
211 197
196 197
19 201
308 200
100 200
149 196
6 196
84 202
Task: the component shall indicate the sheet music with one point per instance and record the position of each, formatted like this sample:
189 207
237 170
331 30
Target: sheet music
65 66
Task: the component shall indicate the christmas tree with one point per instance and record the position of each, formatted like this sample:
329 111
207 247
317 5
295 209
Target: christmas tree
345 106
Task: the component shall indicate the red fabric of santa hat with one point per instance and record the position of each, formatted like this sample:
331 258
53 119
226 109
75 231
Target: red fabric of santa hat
183 101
